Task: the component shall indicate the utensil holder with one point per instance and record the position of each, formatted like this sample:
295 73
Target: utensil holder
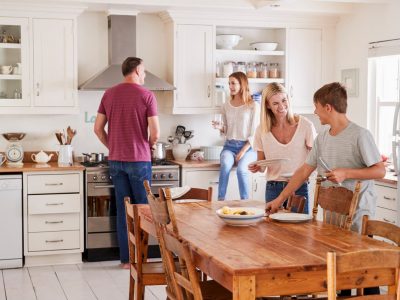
65 155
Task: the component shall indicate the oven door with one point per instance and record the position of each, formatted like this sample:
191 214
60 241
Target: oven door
101 216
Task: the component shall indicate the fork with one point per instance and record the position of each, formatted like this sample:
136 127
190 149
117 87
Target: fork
326 167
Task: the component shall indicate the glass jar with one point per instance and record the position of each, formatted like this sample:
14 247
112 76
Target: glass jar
251 70
220 94
218 70
262 70
241 67
227 69
273 71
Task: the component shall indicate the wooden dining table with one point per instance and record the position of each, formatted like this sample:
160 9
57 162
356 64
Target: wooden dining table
268 258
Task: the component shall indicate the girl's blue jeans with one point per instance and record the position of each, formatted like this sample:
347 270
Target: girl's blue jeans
274 188
227 158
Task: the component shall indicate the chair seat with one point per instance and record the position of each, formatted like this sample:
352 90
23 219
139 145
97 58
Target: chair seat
211 290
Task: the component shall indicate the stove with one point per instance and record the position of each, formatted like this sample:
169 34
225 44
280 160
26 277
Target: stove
100 211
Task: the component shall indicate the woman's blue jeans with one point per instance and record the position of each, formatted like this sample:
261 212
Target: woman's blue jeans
128 180
227 158
274 188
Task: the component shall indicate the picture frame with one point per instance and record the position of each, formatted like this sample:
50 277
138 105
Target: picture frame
350 79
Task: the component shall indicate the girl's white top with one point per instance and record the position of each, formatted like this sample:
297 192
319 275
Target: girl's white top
240 122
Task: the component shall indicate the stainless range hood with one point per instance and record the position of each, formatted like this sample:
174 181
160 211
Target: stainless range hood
122 44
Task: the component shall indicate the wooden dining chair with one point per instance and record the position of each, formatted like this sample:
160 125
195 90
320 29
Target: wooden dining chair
369 264
142 272
382 229
338 203
183 279
296 204
194 194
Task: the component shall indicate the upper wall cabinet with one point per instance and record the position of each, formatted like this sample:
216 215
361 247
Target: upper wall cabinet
304 67
193 66
53 63
38 64
14 70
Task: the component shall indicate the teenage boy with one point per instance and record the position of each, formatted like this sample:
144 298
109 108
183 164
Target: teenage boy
348 149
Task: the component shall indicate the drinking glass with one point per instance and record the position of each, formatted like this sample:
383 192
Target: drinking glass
217 123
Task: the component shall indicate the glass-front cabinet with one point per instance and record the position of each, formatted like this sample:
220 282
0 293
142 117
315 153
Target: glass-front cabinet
14 75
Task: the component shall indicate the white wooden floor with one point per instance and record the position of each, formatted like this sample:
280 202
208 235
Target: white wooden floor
86 281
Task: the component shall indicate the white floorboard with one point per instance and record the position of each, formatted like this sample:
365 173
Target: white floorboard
73 283
18 284
101 282
46 284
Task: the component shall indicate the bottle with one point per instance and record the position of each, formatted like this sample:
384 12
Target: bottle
273 71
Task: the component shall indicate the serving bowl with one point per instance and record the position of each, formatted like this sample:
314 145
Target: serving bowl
264 46
227 41
253 215
14 136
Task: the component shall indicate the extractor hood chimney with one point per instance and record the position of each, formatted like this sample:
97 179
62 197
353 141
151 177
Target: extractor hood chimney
122 44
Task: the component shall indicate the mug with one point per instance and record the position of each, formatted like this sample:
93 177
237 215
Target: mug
65 155
2 159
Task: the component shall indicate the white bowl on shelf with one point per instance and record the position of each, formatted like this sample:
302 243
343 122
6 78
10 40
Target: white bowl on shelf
6 70
227 41
264 46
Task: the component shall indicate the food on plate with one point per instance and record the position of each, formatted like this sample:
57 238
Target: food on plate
235 211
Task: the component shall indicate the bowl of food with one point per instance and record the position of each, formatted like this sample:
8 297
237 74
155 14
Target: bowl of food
227 41
240 216
264 46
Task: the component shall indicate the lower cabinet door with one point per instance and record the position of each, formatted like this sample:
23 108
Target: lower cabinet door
58 240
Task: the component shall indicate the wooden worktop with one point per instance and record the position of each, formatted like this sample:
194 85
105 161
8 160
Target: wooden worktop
389 178
35 167
198 164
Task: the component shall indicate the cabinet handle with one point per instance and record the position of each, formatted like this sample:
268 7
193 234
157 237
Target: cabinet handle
54 241
255 189
54 222
389 221
291 91
52 204
389 198
214 182
37 88
53 184
208 91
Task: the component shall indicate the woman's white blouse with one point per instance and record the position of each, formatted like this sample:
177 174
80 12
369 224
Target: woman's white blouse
240 122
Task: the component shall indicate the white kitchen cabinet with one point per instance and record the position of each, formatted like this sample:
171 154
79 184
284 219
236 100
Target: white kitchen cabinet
53 217
193 67
386 204
14 86
45 81
54 81
304 67
259 183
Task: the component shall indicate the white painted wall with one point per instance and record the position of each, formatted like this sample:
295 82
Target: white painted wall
368 24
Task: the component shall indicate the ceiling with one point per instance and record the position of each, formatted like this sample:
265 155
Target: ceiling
309 6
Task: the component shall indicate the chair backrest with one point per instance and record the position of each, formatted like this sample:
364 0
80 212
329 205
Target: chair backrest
196 193
185 279
381 229
136 241
338 203
370 263
296 203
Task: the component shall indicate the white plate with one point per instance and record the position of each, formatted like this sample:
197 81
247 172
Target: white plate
189 201
177 192
242 220
290 217
266 162
287 175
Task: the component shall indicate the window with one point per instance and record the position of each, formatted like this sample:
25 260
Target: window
384 93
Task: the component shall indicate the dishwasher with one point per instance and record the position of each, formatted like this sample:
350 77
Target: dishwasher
11 219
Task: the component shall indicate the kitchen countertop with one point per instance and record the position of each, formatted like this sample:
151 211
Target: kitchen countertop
389 178
34 167
198 164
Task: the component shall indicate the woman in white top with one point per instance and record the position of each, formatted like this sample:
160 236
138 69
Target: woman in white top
240 118
281 134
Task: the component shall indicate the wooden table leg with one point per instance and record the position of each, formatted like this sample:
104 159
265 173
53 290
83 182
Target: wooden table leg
244 288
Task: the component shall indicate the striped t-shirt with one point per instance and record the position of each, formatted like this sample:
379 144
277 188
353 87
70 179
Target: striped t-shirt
127 107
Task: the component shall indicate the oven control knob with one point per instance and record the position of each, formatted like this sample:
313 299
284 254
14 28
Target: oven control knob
163 176
95 177
170 176
155 176
103 177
